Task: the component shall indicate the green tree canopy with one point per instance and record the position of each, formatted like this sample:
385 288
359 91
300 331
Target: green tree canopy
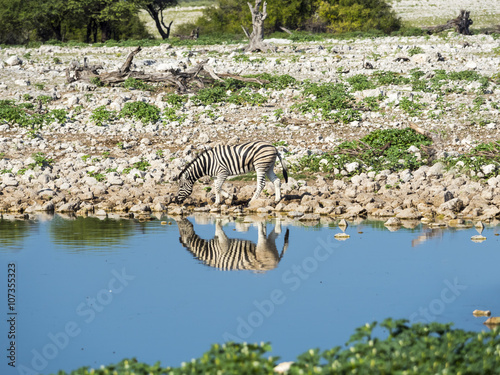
83 20
227 16
357 15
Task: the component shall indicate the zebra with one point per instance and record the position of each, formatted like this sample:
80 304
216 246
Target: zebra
223 161
234 254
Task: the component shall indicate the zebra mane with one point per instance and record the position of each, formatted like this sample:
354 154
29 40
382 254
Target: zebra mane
188 165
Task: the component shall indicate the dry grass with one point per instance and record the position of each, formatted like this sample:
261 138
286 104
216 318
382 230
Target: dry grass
179 15
421 13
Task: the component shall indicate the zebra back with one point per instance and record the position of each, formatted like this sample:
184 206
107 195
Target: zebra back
246 157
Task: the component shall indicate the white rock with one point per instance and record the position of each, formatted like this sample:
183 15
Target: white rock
471 65
9 180
352 167
13 61
22 82
487 169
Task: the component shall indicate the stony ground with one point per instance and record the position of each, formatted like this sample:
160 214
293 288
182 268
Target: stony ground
97 168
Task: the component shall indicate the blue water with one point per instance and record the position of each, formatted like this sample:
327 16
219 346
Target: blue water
93 292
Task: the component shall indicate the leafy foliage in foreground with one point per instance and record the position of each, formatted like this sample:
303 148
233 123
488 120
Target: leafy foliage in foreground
410 349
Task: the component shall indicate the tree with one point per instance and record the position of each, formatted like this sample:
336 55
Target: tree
228 15
336 15
357 15
104 15
257 36
155 9
16 21
89 20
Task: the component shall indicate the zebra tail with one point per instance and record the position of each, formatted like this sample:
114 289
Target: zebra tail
285 174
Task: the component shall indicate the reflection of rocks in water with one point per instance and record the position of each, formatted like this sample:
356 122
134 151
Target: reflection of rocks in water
234 254
433 233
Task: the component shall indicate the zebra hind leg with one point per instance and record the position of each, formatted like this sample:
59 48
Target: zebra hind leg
261 181
277 184
218 187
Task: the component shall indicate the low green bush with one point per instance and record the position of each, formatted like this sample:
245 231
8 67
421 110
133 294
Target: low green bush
330 101
101 115
377 151
474 162
391 347
22 114
137 84
144 112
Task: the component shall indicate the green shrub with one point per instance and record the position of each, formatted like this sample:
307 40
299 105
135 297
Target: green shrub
170 115
45 99
40 160
219 94
386 78
391 347
144 112
12 113
175 100
98 176
209 96
330 100
412 107
101 115
471 162
137 84
360 82
58 114
415 51
379 150
96 81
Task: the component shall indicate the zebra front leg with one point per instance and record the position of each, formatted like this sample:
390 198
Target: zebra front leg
221 236
277 184
218 187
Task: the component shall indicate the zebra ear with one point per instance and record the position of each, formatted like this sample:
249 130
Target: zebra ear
175 178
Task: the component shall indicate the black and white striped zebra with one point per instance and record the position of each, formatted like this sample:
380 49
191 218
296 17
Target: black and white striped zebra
223 161
234 254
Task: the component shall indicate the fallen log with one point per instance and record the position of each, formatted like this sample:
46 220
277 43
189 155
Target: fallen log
188 80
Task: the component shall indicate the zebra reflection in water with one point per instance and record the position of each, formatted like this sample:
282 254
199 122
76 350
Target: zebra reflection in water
234 254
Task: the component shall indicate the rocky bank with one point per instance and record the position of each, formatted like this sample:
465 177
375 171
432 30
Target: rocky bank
96 168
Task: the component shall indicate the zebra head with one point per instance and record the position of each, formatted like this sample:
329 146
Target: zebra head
185 189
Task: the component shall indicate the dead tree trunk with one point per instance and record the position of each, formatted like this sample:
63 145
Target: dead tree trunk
257 36
188 80
461 24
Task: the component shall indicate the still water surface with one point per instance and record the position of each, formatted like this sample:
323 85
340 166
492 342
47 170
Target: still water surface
92 292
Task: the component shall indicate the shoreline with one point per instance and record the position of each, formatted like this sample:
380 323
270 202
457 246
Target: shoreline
75 164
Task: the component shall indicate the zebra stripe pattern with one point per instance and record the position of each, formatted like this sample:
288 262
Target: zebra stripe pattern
233 254
224 161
